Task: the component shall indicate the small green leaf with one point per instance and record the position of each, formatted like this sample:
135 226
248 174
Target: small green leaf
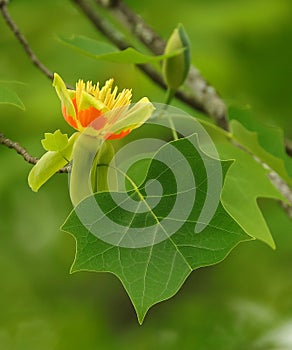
55 142
154 272
104 51
49 164
8 96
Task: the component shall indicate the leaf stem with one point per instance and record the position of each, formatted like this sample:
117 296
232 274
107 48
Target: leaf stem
169 96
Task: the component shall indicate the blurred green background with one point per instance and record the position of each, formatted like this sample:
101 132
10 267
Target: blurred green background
244 48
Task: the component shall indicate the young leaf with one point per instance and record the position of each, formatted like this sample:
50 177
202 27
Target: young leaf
8 96
49 164
55 142
104 51
155 271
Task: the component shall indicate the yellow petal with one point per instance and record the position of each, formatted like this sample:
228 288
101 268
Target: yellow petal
86 100
64 95
134 117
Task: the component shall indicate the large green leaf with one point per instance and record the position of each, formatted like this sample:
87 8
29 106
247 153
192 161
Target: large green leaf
265 142
104 51
8 96
154 272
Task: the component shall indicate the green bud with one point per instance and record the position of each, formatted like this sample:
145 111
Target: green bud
176 68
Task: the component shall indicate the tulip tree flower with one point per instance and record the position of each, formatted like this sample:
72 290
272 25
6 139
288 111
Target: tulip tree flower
99 115
103 109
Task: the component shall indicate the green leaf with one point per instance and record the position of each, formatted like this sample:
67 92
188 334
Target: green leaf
246 181
104 51
49 164
107 238
265 142
55 142
8 96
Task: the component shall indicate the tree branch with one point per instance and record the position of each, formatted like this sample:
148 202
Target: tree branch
19 149
284 189
288 147
22 40
135 24
206 97
210 100
203 97
5 141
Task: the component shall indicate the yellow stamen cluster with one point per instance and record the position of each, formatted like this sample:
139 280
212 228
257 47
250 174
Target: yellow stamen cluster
105 94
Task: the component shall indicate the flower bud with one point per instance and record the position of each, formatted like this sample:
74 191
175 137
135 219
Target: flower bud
176 68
